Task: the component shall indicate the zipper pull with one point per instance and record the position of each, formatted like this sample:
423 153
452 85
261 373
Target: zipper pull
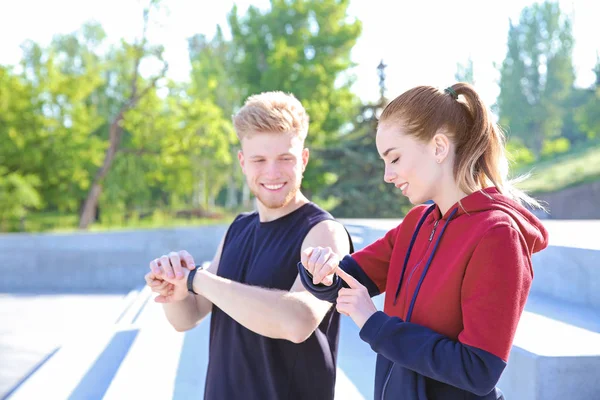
433 231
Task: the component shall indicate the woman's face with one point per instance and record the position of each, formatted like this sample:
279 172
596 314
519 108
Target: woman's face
410 164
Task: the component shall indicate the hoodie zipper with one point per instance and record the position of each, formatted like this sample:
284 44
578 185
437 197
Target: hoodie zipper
389 374
433 231
421 260
408 316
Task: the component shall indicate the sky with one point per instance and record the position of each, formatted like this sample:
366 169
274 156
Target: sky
420 41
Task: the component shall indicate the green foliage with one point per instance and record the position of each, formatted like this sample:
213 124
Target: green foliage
559 172
302 47
212 97
556 146
359 186
537 75
17 194
518 154
175 152
588 114
115 219
64 78
465 73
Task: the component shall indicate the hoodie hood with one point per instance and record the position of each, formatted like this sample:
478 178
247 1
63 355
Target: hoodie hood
532 229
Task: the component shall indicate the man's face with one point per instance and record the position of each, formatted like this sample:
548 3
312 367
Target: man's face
273 165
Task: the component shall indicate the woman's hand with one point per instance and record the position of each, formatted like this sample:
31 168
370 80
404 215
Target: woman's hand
355 301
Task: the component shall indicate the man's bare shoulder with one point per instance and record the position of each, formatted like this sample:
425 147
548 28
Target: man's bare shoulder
328 233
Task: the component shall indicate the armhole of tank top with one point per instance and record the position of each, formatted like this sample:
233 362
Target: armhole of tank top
229 229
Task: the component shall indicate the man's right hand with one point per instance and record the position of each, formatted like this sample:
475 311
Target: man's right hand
321 262
160 286
168 274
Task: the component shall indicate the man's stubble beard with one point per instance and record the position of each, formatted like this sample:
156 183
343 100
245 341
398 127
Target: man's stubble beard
280 204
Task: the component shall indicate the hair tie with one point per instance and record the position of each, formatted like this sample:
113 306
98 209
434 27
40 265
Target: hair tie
452 93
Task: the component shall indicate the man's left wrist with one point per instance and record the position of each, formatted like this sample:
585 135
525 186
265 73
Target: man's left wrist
199 281
191 279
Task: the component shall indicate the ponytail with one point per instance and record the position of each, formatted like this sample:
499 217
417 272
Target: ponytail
480 160
481 157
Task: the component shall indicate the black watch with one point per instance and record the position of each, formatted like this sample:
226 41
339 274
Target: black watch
190 278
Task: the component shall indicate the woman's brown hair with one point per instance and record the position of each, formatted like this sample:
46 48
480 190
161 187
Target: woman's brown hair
480 160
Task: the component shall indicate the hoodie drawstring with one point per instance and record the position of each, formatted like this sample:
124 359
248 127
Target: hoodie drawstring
412 242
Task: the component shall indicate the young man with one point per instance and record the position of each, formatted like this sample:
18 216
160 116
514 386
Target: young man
269 337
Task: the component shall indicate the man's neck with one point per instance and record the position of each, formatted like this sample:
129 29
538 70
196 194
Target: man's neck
270 214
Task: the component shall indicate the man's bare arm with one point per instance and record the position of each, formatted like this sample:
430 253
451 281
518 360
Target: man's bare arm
291 315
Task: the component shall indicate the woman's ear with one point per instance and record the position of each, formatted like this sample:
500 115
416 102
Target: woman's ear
441 147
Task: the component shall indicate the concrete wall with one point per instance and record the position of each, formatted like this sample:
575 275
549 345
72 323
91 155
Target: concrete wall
84 262
569 269
578 202
117 261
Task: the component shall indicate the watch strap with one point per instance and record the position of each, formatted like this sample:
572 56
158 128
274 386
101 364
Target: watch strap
190 278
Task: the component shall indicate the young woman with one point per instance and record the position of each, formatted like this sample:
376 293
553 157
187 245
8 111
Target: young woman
456 273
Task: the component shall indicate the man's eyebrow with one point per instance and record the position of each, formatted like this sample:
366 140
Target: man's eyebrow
287 154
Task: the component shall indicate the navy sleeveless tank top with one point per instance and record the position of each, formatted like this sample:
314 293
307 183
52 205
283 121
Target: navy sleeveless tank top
246 365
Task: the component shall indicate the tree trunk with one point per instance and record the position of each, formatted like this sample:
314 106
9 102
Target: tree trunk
232 189
116 131
232 201
206 192
91 202
538 142
246 195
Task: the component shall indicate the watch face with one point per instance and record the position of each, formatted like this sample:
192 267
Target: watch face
204 265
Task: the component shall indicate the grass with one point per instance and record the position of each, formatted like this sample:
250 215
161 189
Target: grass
570 169
66 223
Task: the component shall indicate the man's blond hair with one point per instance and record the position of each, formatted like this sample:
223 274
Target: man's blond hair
271 112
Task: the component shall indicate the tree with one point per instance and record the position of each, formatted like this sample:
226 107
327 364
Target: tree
212 78
357 183
63 77
357 186
19 156
587 116
302 47
139 88
536 77
464 73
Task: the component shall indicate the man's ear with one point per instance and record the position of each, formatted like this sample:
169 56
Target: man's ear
305 157
241 160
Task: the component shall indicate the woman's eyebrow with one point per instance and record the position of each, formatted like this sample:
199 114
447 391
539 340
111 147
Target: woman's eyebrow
385 153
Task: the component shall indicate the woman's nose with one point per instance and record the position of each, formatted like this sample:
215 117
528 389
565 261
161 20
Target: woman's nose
389 176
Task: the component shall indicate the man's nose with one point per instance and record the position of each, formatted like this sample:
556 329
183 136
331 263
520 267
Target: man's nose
273 170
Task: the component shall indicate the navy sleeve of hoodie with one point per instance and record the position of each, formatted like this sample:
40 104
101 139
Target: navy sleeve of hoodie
431 354
329 293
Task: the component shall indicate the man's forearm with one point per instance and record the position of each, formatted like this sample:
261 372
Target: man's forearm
186 314
273 313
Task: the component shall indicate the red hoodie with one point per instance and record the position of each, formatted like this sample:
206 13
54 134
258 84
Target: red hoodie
478 280
455 286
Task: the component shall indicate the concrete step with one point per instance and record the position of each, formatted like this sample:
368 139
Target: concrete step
140 356
33 327
90 356
556 352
